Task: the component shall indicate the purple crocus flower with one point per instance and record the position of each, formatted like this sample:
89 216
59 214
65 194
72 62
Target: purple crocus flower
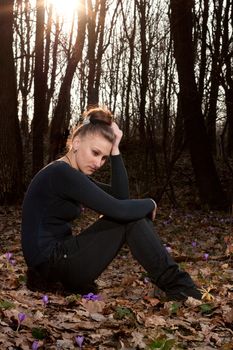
45 299
35 345
206 256
146 280
169 249
9 256
12 261
194 244
21 318
79 340
91 296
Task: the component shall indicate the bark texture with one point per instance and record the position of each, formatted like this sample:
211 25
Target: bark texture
208 183
10 141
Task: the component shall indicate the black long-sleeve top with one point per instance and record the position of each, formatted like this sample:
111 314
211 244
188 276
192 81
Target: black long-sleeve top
54 199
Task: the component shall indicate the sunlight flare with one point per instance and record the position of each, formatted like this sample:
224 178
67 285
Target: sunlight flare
63 8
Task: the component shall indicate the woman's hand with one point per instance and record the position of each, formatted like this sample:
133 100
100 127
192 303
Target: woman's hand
154 211
153 214
118 133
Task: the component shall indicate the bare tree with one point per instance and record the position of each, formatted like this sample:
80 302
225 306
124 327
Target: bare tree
203 34
10 141
215 74
96 33
227 81
40 119
142 7
61 118
24 31
208 183
130 34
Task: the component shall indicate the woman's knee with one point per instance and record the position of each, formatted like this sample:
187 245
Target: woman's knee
144 222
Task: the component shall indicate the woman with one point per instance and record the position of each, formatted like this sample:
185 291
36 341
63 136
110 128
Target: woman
55 198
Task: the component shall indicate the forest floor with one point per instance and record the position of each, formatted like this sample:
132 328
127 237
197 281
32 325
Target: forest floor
125 314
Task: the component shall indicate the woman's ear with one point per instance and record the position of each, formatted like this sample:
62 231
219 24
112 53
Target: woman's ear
75 143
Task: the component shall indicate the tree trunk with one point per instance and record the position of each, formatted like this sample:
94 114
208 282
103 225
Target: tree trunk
100 50
214 76
51 88
92 40
227 54
145 54
203 48
131 40
61 117
39 120
208 183
229 104
25 67
10 141
96 26
47 97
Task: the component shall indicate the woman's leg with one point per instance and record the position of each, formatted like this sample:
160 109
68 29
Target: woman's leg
79 260
148 249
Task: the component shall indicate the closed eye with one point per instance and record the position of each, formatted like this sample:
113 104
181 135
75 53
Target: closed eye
98 154
95 153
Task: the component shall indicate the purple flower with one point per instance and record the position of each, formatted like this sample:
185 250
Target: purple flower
45 299
79 340
21 317
206 256
91 296
35 345
146 280
12 261
169 249
194 244
9 256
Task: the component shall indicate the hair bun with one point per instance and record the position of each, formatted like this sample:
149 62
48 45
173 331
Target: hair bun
99 115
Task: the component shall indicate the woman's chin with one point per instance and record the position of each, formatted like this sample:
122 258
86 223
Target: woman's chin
88 171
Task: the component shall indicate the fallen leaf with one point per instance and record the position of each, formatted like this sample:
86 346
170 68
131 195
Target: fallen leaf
193 302
93 306
137 339
228 315
154 321
97 317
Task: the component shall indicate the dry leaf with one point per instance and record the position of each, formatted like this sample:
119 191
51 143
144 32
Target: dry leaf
97 317
228 315
193 302
152 301
93 306
65 344
138 340
154 321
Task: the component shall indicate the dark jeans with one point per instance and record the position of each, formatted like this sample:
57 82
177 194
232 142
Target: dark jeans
79 260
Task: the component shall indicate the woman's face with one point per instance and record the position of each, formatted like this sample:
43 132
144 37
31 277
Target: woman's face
92 152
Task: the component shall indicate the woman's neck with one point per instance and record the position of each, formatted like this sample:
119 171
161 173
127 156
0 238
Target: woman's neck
69 159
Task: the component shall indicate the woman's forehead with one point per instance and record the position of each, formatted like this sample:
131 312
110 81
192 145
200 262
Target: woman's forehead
98 141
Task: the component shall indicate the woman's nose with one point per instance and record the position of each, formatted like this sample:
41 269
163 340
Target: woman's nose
98 163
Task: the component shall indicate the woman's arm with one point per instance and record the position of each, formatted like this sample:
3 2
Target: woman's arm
119 187
70 184
118 136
